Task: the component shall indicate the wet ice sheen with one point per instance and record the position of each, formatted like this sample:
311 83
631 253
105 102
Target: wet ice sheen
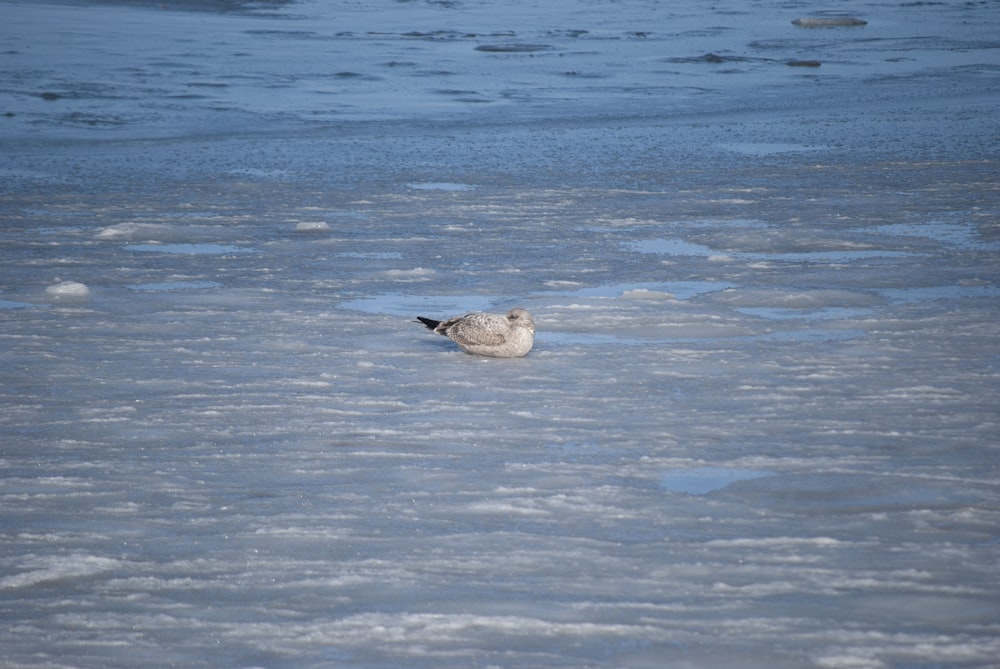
758 426
679 247
12 304
441 186
702 480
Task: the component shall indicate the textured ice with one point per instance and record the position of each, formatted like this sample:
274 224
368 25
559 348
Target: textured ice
758 424
192 249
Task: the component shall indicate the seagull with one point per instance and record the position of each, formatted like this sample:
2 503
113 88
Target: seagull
494 335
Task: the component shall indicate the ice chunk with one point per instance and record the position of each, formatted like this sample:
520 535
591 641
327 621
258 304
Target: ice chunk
312 226
68 290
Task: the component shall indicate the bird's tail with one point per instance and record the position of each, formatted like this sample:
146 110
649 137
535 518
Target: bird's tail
430 323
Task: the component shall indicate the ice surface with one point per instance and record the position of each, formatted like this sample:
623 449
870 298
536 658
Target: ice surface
701 480
187 249
11 304
759 424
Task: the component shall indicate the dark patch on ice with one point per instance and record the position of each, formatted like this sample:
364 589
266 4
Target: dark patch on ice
80 119
584 75
300 34
459 93
829 22
438 35
446 4
356 75
711 57
513 48
189 5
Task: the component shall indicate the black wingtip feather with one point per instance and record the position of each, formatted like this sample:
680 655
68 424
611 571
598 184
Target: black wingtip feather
431 324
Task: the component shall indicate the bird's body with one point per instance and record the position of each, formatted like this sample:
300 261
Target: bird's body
508 335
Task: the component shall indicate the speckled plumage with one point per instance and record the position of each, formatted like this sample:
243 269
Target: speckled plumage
495 335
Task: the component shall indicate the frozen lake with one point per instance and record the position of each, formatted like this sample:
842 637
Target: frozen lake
759 427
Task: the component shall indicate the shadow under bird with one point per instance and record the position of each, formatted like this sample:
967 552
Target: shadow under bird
509 335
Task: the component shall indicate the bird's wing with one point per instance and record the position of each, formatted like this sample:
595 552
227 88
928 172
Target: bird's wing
479 330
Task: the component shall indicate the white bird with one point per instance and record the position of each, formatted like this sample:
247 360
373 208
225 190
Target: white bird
495 335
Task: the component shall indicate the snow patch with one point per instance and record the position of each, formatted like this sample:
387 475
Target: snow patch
68 290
